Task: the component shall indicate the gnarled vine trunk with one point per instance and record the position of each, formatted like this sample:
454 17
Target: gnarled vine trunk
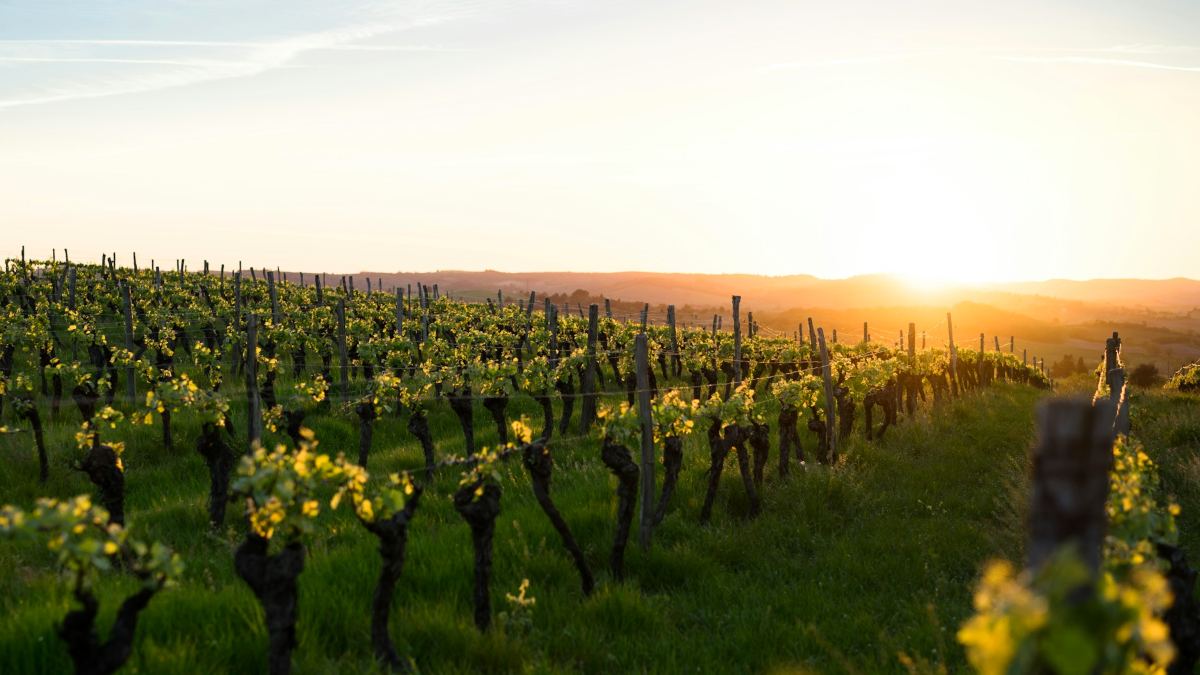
78 630
480 512
272 579
392 534
619 461
540 464
219 458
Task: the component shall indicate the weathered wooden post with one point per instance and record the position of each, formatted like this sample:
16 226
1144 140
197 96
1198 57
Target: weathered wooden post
912 365
953 355
127 306
587 411
1071 465
274 295
641 364
830 400
253 412
343 360
676 361
737 341
399 311
866 334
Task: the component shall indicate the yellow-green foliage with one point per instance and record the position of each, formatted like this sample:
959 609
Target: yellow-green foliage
85 543
1042 621
1186 378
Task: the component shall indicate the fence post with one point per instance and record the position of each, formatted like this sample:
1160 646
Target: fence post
274 298
253 413
737 341
127 305
646 522
912 383
343 360
830 401
866 333
676 361
953 353
1071 465
587 411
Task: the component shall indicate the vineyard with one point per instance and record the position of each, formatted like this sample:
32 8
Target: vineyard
238 472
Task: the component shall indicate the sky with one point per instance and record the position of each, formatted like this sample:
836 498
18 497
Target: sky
956 140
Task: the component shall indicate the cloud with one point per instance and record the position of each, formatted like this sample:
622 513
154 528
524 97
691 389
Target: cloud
1067 55
215 44
256 57
1094 61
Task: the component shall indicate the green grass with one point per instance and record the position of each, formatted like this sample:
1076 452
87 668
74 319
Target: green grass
1169 425
844 569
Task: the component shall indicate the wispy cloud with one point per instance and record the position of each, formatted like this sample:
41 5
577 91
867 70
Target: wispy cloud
1094 61
218 44
1046 55
253 57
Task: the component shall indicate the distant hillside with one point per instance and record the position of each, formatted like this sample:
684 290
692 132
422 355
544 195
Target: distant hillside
1159 318
1065 300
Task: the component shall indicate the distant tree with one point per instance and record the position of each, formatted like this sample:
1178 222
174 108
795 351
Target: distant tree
1081 367
1066 366
1146 375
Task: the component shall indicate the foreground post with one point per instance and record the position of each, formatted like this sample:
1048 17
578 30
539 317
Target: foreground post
1071 464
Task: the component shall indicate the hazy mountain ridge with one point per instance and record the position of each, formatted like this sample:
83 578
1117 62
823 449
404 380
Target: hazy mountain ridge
770 293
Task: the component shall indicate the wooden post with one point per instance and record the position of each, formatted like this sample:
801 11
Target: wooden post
271 291
1012 344
343 360
1115 376
866 334
812 334
911 382
676 363
587 411
830 401
835 336
645 315
320 289
1071 465
912 345
253 412
997 340
552 327
737 340
953 351
646 523
607 308
127 306
237 296
399 312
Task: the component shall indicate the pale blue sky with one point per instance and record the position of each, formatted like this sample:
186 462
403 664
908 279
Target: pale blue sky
972 140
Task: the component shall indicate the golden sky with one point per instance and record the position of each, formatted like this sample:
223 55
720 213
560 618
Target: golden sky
943 140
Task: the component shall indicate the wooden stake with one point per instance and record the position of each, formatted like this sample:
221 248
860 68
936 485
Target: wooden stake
830 401
253 412
641 361
587 411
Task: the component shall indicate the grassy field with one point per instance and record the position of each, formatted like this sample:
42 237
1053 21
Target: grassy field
845 568
1169 424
